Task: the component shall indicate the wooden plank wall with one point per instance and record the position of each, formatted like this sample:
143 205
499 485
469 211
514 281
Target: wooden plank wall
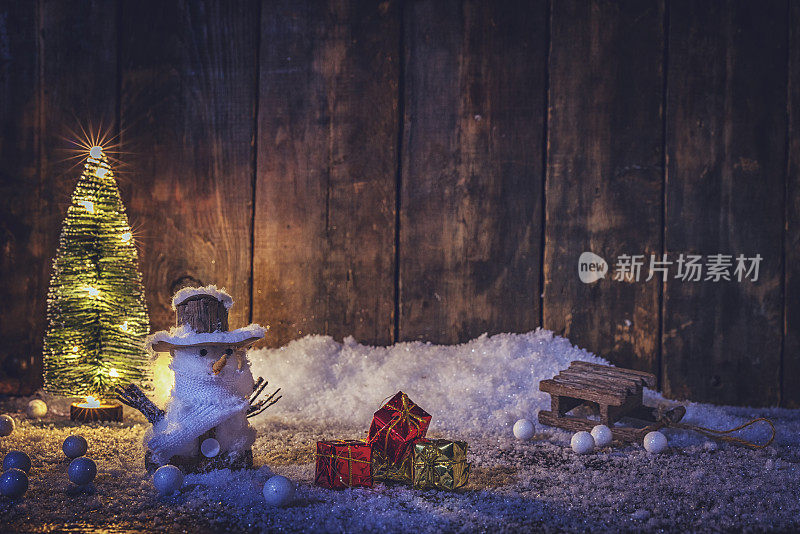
471 170
725 186
426 170
604 172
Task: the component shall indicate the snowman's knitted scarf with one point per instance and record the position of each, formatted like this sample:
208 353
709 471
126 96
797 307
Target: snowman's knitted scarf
199 402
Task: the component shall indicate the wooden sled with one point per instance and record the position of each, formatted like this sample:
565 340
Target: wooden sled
612 393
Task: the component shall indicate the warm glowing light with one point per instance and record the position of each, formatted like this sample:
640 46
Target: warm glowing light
113 373
91 402
93 291
126 236
101 172
163 378
96 151
88 204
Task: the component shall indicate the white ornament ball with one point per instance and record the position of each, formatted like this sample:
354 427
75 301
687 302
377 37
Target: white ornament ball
582 442
655 442
209 447
524 430
167 479
37 409
602 436
278 491
6 425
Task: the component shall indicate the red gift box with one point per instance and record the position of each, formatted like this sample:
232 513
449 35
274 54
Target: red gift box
396 425
343 464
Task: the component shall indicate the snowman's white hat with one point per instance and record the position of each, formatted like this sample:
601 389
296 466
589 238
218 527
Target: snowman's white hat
202 317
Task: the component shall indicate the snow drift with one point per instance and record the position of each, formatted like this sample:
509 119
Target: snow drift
479 387
489 382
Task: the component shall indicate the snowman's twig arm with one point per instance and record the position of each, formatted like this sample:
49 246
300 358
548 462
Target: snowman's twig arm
262 405
256 410
135 398
258 387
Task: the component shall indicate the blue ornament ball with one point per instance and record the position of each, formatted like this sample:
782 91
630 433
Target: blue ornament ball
82 471
13 483
167 479
6 425
17 460
75 446
278 491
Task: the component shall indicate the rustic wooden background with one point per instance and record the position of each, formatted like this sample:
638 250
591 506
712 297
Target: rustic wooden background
426 169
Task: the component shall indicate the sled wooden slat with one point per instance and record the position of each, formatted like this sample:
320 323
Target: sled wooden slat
610 393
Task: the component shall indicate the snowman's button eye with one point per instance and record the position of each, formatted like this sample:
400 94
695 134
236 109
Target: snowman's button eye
228 351
203 352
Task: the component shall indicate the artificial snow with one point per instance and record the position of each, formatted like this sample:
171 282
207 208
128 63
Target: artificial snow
479 388
218 293
473 391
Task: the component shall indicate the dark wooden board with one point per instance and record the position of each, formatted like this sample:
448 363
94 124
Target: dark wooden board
604 174
726 134
327 160
188 75
65 87
790 397
460 89
471 184
79 104
22 255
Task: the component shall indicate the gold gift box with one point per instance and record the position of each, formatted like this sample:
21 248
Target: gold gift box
383 469
439 463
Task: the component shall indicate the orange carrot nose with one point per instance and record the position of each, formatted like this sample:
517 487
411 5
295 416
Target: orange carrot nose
219 364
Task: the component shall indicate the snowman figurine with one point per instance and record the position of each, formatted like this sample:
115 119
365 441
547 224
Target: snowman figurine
214 392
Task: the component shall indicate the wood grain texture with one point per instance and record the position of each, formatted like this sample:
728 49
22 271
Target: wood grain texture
604 181
790 397
188 73
303 106
470 217
202 314
327 159
726 134
22 255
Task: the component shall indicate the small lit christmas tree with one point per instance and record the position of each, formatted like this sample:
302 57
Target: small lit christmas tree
96 312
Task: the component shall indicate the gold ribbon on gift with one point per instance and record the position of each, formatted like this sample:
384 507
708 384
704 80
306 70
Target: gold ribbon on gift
349 459
383 469
401 414
427 463
433 468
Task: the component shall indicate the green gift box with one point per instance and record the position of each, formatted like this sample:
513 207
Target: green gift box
440 464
